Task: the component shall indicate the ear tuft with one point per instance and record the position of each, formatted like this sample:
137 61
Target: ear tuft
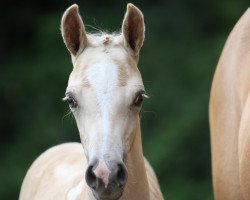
132 6
133 28
73 30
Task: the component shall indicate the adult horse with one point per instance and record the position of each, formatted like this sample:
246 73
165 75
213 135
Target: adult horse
105 93
230 116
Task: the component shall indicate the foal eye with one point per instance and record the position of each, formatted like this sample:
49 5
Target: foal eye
139 99
71 101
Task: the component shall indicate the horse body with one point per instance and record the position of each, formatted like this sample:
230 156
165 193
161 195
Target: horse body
230 116
105 92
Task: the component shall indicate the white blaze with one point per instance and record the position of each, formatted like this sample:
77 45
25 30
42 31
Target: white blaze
103 77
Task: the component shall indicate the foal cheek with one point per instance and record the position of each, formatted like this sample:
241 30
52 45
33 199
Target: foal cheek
129 136
83 133
128 141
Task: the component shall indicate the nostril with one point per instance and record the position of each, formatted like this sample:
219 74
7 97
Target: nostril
122 175
90 177
99 176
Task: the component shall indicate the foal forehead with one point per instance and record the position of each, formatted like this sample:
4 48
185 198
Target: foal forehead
104 62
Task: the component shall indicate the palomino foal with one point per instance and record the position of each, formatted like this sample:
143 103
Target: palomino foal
230 116
105 93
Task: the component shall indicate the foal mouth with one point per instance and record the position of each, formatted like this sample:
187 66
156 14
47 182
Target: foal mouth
111 192
112 196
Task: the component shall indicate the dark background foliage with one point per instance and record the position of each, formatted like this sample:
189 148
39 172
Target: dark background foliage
184 39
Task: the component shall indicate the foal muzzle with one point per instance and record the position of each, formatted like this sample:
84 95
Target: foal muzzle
106 179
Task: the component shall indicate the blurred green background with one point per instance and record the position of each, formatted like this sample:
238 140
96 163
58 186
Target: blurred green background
184 39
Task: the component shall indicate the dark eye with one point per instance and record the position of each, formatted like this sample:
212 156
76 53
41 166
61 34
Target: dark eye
71 101
139 98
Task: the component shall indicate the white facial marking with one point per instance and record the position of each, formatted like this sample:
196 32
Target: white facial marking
103 77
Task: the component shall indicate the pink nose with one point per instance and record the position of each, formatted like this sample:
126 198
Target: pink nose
102 172
105 179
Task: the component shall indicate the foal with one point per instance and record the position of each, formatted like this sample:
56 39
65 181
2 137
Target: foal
105 93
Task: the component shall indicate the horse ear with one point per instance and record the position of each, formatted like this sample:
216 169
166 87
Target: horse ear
133 28
73 30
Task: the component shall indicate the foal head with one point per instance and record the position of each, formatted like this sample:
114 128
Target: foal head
105 92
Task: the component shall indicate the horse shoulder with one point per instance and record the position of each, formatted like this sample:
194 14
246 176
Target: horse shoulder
58 173
154 188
